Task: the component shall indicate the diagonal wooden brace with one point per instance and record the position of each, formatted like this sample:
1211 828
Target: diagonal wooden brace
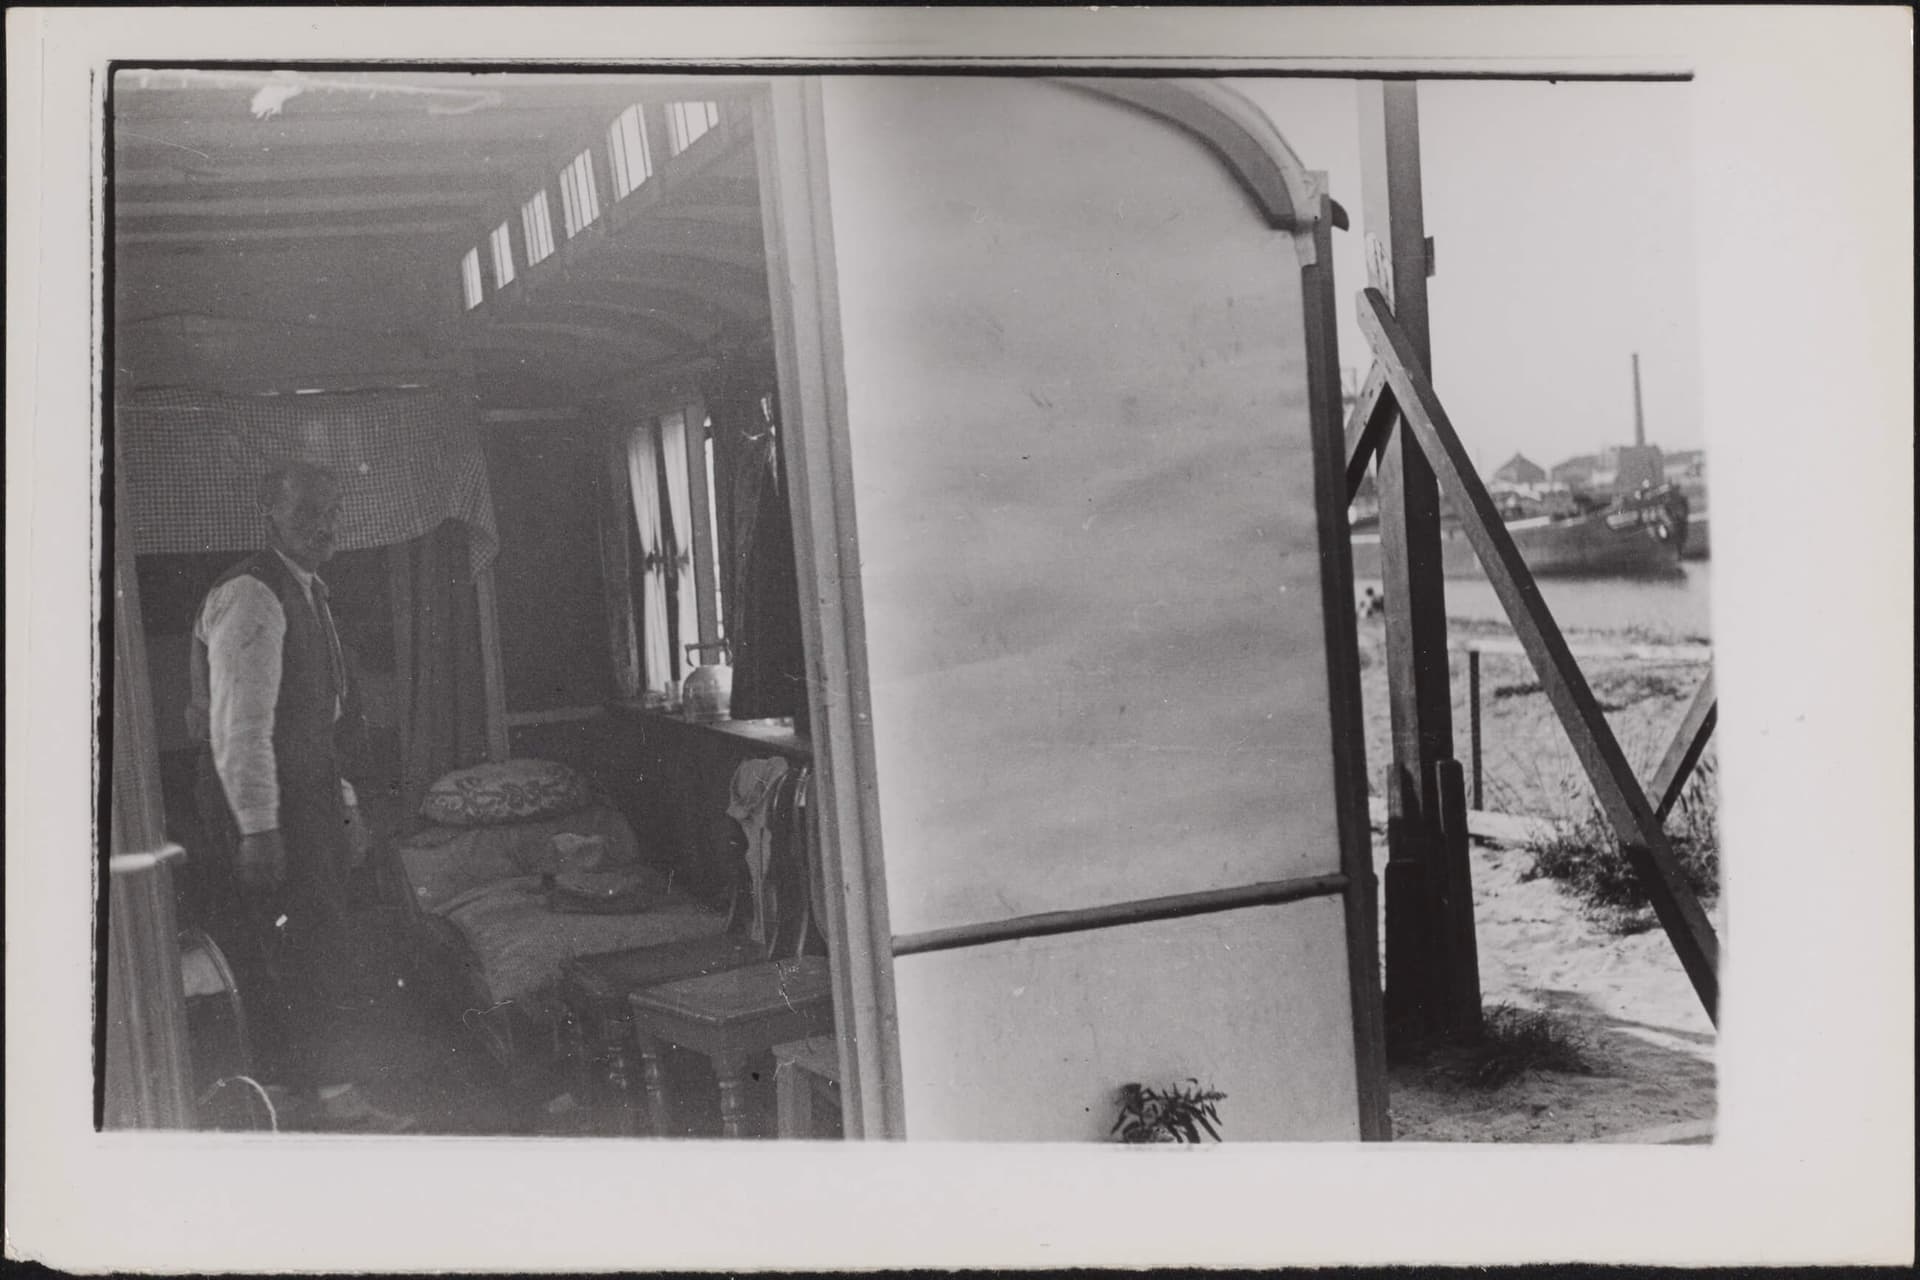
1684 752
1633 819
1368 427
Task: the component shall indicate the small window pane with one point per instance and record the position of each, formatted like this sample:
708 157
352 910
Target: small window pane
579 202
501 242
470 278
627 144
537 222
687 121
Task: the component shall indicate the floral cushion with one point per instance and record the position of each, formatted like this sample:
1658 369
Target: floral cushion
510 791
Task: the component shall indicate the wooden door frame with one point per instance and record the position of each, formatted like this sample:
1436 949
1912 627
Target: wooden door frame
790 142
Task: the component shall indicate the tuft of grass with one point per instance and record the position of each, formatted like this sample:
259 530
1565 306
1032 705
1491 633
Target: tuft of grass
1586 859
1513 1042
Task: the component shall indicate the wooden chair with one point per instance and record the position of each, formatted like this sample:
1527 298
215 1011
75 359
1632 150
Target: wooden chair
736 1016
592 1018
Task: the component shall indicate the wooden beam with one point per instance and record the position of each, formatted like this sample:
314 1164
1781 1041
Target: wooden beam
1632 817
1428 989
789 132
190 173
449 197
1361 899
297 233
1368 428
732 290
1684 752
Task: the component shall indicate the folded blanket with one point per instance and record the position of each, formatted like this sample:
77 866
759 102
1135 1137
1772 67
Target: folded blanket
441 862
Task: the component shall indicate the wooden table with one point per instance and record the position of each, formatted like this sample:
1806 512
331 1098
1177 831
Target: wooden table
730 1018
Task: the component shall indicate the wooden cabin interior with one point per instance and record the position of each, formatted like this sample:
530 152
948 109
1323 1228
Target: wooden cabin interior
606 363
506 301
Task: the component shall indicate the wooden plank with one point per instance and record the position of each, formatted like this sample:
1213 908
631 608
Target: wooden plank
1368 428
789 132
1418 672
1114 915
1684 752
1626 806
1331 497
299 206
298 232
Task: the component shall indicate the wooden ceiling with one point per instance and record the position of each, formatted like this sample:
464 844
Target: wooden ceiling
263 179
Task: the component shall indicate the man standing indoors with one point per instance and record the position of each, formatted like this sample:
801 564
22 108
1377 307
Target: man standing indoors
282 819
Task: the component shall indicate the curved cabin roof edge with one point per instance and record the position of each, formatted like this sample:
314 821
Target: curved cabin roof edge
1235 129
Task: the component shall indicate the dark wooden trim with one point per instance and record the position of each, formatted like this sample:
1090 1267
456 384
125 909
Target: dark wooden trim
1343 678
789 127
1236 130
1684 752
1632 817
1142 911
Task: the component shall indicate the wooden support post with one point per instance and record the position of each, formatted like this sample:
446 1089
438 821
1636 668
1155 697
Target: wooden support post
1423 980
1473 725
1614 783
1685 749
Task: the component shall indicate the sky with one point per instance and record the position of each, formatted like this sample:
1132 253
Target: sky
1563 228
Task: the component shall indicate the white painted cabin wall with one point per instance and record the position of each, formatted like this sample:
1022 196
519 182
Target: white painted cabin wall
1075 362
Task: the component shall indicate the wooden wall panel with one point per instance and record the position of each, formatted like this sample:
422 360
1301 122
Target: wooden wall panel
1077 405
1029 1040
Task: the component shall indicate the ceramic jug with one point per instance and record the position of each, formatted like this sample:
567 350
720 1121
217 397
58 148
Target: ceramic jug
707 693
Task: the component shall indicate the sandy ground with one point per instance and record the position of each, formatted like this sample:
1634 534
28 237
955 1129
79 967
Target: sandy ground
1624 999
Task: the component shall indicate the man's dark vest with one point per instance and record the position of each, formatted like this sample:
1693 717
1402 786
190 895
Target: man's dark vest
304 755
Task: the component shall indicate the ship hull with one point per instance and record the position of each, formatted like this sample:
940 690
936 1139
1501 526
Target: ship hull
1698 541
1631 540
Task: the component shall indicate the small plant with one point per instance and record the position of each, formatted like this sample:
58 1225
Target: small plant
1176 1114
1514 1041
1586 858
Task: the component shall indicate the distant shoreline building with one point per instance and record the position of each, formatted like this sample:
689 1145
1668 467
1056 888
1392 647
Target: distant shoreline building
1519 470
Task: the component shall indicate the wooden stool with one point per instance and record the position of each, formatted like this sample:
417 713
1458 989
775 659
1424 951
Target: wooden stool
803 1071
594 1016
730 1018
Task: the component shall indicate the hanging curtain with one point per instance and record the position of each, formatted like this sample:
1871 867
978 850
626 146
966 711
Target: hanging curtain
407 460
743 448
686 617
446 716
769 677
616 560
643 475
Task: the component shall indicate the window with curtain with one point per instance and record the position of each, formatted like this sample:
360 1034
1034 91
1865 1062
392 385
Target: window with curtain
677 567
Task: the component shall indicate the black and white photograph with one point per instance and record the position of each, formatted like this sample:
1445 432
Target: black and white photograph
710 612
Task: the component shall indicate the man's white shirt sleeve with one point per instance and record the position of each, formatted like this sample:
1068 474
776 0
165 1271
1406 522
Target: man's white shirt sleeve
243 628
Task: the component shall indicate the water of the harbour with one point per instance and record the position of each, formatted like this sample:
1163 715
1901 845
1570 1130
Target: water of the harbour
1673 610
